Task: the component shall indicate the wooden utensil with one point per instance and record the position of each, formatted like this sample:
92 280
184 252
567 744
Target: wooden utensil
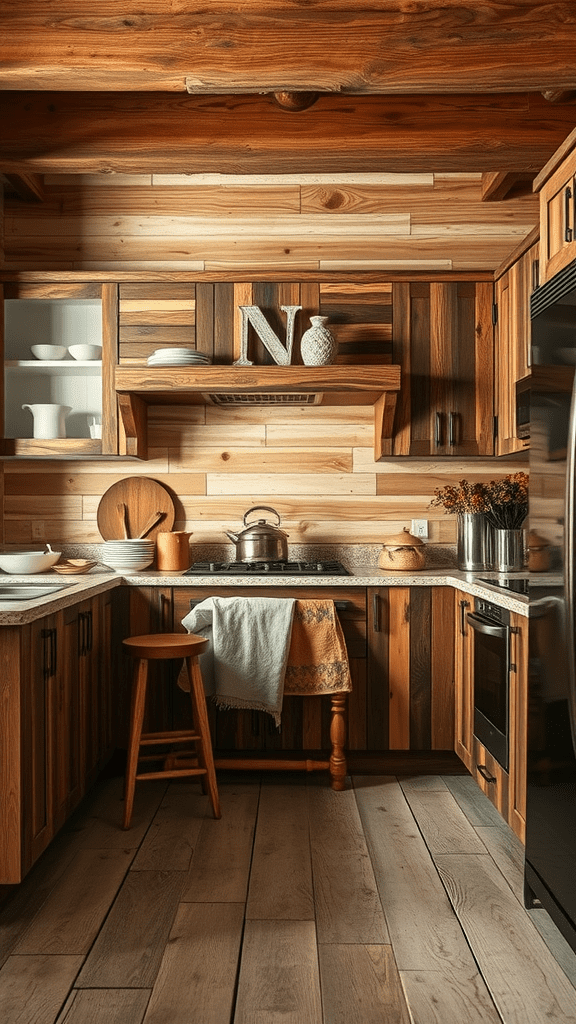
154 518
124 517
143 497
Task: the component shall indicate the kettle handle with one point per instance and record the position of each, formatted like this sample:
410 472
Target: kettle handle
265 507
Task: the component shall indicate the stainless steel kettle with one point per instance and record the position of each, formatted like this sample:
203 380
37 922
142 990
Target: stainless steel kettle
260 541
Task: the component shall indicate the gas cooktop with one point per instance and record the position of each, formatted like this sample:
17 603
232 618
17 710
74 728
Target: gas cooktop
267 569
516 586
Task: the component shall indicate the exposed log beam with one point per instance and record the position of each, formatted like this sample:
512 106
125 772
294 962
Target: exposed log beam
330 46
497 185
27 186
295 100
560 95
153 133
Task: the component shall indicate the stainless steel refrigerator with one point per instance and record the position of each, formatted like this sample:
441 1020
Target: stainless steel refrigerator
550 864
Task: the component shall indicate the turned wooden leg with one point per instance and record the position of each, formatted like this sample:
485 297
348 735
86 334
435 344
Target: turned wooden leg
338 738
202 724
136 721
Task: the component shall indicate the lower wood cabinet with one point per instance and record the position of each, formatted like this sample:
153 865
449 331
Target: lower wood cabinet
56 723
400 648
506 789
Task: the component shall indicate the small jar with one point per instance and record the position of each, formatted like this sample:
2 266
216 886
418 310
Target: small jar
402 553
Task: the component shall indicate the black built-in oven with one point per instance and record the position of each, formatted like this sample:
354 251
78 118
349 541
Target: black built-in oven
491 677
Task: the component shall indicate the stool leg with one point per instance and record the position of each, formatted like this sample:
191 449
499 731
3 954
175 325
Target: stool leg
136 720
203 728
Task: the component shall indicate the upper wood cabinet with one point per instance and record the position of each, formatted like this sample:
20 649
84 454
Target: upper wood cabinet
556 184
443 341
58 314
514 284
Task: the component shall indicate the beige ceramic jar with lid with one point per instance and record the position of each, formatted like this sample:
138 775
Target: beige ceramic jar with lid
402 553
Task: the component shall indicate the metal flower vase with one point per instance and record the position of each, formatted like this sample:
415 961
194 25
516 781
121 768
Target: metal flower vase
317 346
509 550
473 542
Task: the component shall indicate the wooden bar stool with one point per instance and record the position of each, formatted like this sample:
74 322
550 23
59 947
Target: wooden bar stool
158 646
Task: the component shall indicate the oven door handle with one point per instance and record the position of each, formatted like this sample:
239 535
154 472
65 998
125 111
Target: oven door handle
488 628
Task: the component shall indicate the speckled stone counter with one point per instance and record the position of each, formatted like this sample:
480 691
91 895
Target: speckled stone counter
100 579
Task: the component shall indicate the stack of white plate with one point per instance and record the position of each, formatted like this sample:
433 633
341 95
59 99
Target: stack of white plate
178 357
128 556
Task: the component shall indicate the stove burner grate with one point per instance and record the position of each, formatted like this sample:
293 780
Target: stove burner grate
267 569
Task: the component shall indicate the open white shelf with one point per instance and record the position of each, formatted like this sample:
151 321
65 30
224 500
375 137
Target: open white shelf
68 367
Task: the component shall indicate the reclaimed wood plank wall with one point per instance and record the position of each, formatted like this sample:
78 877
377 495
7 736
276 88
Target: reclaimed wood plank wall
314 464
310 222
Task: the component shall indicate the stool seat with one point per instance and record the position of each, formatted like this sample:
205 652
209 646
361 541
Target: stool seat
166 645
200 762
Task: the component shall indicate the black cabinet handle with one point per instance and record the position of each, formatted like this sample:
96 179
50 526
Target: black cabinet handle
567 228
452 429
463 606
53 652
438 430
46 651
485 773
377 623
81 634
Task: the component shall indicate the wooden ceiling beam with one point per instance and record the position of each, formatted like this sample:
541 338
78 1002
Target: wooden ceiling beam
161 133
497 185
27 186
331 46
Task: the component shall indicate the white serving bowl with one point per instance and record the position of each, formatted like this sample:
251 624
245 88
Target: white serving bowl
45 352
85 352
26 562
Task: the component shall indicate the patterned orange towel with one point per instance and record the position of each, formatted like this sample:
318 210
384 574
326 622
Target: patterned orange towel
317 658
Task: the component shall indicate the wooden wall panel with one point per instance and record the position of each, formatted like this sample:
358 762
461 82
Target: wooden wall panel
398 222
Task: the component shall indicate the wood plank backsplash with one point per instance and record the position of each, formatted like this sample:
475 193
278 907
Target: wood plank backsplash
314 466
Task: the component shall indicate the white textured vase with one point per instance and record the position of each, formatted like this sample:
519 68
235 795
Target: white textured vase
317 346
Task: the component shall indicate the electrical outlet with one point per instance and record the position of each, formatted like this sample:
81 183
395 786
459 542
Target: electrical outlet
420 528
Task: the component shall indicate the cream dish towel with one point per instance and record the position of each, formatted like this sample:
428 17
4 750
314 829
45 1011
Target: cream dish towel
245 663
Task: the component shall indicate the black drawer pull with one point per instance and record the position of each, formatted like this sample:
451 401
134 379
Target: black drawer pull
485 773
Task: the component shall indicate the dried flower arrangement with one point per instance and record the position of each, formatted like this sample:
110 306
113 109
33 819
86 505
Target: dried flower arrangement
503 502
507 501
464 497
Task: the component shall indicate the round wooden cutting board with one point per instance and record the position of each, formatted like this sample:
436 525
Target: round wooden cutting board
142 498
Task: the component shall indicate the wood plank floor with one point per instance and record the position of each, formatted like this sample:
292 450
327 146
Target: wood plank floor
397 901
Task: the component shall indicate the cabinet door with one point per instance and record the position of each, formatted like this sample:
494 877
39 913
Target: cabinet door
67 724
512 296
410 692
463 666
518 724
39 673
443 340
558 219
95 676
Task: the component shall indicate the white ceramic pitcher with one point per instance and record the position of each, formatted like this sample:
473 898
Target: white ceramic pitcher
49 419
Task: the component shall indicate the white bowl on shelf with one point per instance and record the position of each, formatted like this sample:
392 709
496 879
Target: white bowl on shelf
85 353
47 352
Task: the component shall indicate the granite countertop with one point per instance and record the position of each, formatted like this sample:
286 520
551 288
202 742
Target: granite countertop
101 579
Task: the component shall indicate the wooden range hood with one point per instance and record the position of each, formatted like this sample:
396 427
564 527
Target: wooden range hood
342 384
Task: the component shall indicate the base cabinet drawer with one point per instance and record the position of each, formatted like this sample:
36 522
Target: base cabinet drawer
491 777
